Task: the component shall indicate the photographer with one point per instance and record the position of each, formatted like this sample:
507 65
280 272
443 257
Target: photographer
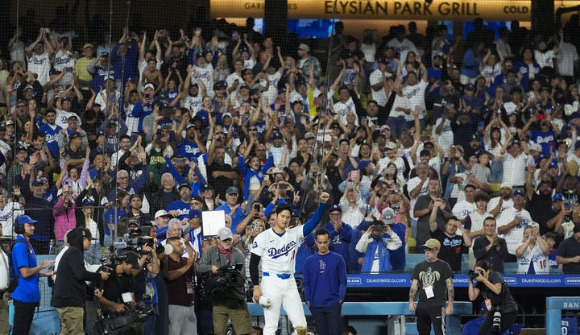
145 280
69 290
119 283
497 297
227 281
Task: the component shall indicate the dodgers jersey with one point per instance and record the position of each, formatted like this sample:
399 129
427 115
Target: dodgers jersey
278 252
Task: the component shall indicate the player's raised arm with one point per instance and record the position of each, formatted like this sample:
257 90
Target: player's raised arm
317 216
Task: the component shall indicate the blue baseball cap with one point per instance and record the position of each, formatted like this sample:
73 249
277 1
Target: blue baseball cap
519 191
194 214
552 165
88 202
277 135
335 207
22 219
37 182
557 196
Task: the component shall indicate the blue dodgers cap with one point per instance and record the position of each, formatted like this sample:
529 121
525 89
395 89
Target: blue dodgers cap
553 164
557 196
22 219
37 182
282 90
194 214
277 135
335 207
88 202
519 191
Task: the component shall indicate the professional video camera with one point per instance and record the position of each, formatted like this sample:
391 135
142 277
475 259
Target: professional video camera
113 323
136 238
228 277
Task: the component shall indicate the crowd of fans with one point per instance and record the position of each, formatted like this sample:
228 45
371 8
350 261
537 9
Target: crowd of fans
410 140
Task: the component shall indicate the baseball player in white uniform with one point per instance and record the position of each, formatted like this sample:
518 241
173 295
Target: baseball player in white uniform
277 248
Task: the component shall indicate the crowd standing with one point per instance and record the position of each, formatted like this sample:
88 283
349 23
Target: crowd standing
411 143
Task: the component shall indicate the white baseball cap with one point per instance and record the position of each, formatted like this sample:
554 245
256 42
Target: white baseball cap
161 213
149 85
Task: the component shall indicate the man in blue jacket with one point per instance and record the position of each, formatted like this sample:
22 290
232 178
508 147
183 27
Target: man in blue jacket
325 285
340 233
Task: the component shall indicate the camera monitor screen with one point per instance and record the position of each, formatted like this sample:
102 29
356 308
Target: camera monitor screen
212 221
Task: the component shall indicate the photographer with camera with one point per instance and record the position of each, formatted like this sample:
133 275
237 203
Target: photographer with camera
70 287
497 297
226 284
117 293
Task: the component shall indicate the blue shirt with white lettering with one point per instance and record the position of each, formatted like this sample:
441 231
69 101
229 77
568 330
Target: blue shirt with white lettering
181 206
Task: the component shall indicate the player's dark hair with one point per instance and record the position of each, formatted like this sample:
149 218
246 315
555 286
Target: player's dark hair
321 232
283 207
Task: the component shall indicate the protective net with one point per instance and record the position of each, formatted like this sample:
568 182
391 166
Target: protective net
419 118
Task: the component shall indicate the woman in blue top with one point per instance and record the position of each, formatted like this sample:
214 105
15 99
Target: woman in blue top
252 172
527 68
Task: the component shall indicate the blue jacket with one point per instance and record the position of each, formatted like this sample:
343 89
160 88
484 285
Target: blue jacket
353 254
384 256
340 241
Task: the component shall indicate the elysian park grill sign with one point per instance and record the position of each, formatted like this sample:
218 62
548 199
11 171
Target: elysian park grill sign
454 10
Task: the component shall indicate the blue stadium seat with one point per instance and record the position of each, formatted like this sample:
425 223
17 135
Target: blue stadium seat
510 267
412 260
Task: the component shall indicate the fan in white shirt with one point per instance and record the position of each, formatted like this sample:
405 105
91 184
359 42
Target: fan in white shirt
513 222
498 205
463 208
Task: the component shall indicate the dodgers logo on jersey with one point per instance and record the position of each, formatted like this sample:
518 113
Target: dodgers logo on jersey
51 138
255 245
276 253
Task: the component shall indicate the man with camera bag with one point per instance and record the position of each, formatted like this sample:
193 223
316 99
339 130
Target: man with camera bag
70 288
497 298
226 282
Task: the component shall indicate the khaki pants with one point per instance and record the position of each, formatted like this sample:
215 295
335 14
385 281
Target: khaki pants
240 319
71 320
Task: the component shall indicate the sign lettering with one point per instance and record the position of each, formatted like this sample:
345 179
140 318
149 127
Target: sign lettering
456 10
